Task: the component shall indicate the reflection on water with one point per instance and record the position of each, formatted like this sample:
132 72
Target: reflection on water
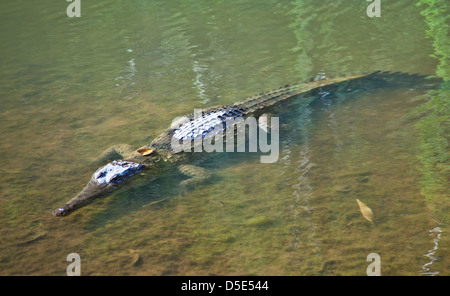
70 88
433 129
199 76
432 252
126 76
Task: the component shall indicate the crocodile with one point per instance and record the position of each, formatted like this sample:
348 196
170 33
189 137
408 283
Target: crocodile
159 155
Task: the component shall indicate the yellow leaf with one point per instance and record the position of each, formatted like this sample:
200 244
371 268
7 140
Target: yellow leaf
136 260
365 211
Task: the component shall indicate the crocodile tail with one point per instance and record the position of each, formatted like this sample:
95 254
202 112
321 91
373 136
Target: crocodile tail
272 97
345 82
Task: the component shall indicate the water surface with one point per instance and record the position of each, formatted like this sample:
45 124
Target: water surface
71 87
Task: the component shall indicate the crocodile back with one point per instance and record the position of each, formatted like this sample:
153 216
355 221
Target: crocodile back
203 123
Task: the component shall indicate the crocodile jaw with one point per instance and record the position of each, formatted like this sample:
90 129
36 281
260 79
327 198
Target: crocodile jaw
91 192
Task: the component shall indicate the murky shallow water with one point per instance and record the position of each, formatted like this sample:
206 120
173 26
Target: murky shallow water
70 88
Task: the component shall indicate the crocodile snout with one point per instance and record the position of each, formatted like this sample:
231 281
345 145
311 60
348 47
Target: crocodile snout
62 211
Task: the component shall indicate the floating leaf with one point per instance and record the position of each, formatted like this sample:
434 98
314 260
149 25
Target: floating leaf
366 211
136 259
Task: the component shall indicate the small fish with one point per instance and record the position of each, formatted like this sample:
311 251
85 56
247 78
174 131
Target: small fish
154 202
32 238
365 211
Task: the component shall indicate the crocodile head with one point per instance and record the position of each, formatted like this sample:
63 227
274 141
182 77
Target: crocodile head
103 180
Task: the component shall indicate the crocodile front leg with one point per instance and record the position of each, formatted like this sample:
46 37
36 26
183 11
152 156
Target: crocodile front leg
115 152
197 175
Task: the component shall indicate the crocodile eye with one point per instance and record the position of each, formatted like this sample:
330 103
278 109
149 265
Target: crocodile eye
116 179
101 175
145 151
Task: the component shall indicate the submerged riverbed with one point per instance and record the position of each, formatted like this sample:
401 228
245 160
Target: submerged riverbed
72 87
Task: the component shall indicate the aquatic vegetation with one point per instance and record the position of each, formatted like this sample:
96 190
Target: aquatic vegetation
434 125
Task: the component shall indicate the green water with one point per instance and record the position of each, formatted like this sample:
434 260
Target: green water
71 87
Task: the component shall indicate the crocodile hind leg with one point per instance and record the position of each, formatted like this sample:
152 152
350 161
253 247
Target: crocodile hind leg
119 151
197 175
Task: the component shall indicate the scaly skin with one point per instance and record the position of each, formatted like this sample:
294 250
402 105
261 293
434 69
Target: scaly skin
159 155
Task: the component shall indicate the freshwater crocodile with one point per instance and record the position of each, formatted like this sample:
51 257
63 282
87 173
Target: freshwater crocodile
159 155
